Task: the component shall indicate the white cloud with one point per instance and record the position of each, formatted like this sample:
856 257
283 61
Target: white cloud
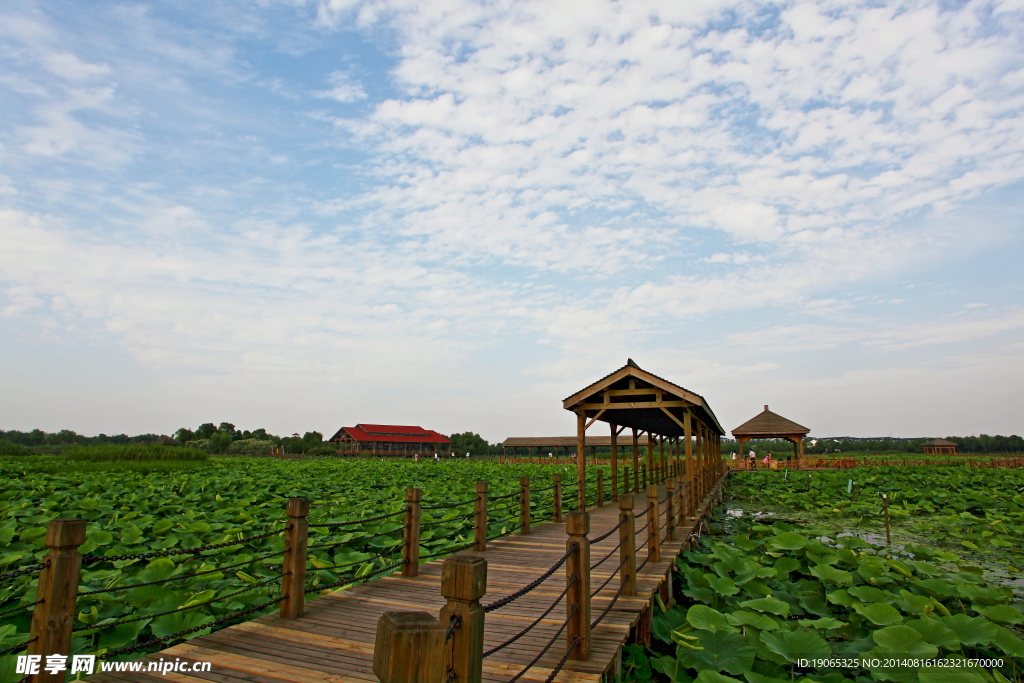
342 88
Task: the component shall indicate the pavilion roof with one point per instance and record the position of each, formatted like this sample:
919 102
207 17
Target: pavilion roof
567 441
391 433
768 424
648 415
940 442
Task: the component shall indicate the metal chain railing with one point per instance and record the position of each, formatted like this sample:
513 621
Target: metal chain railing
17 648
113 589
348 580
536 621
181 551
365 538
164 639
179 609
24 570
445 506
595 541
448 551
558 667
365 520
572 613
21 607
497 604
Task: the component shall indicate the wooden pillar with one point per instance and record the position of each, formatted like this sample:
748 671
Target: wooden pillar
664 463
411 534
688 436
463 583
600 488
681 495
293 583
54 617
557 497
670 511
627 545
653 522
577 525
615 462
581 459
636 461
524 505
480 517
409 648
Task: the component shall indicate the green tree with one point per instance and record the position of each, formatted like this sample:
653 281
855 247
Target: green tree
219 442
183 435
469 442
205 430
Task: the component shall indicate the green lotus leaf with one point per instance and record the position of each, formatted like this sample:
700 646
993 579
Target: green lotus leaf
939 588
939 675
665 622
1004 614
768 604
729 652
825 623
708 619
787 540
673 668
913 604
935 632
971 630
1008 642
878 613
870 594
902 640
755 619
709 676
793 645
784 566
841 597
830 574
722 586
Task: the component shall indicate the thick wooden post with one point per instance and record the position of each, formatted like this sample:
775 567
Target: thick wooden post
627 545
293 584
411 535
409 648
600 488
626 488
524 505
53 619
670 511
577 525
681 495
615 463
463 583
557 495
480 518
653 522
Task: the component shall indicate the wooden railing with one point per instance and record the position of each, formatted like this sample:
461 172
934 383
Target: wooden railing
846 463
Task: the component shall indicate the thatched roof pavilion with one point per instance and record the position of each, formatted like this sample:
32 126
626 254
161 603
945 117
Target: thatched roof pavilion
939 447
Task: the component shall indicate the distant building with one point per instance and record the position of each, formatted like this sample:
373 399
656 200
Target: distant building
939 447
390 440
768 425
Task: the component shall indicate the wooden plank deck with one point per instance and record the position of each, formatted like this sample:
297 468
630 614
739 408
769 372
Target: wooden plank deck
333 642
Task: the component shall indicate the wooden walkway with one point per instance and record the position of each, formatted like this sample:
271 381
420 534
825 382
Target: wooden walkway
333 642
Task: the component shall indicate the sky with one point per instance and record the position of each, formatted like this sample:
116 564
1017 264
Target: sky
303 215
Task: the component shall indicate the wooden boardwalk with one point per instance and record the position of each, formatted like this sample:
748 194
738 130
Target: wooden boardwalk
333 642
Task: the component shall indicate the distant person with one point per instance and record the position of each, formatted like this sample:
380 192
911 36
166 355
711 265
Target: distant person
437 458
467 454
767 459
734 455
753 459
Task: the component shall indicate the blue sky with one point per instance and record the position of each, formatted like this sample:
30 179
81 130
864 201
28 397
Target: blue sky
300 215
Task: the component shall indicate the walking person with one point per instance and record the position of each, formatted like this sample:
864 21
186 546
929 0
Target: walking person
753 459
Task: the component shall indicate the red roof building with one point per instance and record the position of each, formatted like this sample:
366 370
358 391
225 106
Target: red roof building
390 440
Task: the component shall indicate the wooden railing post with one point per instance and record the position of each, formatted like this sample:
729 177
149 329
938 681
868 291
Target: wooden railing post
557 498
600 488
293 584
670 511
524 505
626 488
681 495
463 583
653 522
411 536
409 648
480 520
627 545
53 619
577 525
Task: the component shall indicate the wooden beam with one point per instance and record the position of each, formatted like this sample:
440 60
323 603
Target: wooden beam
674 418
592 420
636 404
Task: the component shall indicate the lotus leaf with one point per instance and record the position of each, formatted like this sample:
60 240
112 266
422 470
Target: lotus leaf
794 645
971 630
719 651
878 613
708 619
787 540
768 604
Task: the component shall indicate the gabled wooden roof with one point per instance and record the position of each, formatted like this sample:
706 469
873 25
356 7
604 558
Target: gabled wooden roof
940 442
624 389
768 424
566 441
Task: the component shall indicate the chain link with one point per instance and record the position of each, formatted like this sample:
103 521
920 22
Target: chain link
366 520
114 589
180 609
19 608
25 570
562 661
183 551
17 648
536 621
609 533
572 613
533 584
351 579
367 538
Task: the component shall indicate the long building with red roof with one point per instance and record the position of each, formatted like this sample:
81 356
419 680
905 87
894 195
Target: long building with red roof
391 440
